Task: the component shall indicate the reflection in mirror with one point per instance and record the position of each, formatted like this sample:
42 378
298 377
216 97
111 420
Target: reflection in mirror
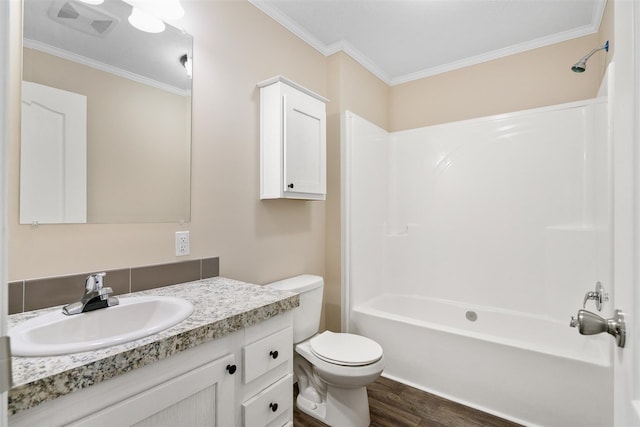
106 117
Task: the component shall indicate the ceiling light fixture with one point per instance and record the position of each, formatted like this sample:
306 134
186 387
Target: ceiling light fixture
168 10
145 22
163 10
155 11
92 2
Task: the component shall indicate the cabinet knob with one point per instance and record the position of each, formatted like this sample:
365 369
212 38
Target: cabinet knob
290 185
273 406
231 369
274 354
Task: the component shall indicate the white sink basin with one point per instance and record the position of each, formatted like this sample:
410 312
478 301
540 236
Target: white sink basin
134 318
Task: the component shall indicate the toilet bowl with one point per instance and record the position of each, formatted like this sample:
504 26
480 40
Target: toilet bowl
339 360
332 369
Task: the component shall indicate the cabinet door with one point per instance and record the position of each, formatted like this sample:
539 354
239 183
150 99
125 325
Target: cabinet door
203 396
304 145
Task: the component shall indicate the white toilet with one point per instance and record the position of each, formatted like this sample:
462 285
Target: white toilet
332 369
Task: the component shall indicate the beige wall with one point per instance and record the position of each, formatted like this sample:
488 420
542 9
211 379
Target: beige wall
235 47
356 89
531 79
138 141
353 88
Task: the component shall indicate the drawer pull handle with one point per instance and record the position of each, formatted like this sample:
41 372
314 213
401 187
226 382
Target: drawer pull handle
274 354
231 369
273 406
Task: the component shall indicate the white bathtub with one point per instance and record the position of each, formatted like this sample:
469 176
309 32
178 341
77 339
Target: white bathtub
528 369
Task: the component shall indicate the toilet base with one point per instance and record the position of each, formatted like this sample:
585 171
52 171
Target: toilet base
344 407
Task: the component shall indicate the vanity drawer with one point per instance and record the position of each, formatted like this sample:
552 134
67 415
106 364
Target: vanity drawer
269 404
267 353
270 326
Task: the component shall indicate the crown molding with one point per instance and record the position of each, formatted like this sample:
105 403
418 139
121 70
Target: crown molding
70 56
366 62
291 25
496 54
361 58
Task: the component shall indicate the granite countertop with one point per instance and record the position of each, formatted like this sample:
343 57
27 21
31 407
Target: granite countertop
221 306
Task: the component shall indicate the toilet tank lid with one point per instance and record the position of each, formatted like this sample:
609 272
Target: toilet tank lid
298 284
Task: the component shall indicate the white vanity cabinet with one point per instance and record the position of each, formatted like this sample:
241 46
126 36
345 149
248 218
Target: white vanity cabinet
241 379
200 397
266 392
293 129
193 387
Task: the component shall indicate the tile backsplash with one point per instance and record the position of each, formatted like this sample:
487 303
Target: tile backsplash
26 295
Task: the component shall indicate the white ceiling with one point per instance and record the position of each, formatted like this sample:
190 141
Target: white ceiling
404 40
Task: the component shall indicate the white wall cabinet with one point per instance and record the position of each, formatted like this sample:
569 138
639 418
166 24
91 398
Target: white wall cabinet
293 148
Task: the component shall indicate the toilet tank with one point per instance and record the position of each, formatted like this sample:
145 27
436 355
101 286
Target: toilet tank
306 317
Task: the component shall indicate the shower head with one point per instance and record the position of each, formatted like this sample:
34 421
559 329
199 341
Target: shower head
581 66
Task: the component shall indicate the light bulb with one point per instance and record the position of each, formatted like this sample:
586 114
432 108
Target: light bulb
167 10
145 22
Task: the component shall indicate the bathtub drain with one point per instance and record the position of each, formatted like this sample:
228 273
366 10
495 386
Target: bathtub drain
471 316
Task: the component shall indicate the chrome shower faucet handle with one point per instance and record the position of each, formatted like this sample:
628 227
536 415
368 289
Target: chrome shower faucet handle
599 296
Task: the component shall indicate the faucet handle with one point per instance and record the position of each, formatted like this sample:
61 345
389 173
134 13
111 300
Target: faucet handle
94 281
104 293
599 296
589 295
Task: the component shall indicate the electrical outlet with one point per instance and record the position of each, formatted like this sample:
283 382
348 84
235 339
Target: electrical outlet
182 243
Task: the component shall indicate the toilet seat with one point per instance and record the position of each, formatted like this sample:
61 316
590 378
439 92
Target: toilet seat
345 349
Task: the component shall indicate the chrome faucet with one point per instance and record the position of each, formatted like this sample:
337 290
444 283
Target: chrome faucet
95 296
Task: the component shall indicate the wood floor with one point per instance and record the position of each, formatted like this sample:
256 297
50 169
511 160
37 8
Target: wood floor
393 404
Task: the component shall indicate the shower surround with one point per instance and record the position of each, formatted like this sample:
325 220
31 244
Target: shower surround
468 246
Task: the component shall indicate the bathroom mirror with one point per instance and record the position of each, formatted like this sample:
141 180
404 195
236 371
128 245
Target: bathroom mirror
106 116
